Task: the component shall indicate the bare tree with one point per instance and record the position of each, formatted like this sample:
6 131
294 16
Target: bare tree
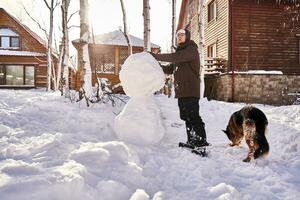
126 28
83 51
173 25
49 36
146 14
201 9
65 47
51 8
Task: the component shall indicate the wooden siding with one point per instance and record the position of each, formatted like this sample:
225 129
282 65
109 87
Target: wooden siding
39 63
217 31
29 41
117 56
260 41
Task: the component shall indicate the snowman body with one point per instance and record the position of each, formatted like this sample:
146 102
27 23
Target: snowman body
140 121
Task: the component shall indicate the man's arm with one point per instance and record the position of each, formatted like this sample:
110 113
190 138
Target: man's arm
184 55
168 69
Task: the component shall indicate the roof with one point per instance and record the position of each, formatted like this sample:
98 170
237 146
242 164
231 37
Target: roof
117 38
20 53
30 32
33 34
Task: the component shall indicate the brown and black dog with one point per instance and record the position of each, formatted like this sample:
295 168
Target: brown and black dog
251 123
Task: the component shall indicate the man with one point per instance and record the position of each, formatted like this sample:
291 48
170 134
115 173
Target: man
185 67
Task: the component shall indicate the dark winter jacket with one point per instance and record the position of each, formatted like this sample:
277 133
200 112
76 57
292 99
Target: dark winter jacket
185 66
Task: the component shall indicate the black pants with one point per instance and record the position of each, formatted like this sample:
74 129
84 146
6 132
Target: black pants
189 112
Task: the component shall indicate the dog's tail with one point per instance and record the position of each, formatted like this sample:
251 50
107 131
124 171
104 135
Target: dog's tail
263 145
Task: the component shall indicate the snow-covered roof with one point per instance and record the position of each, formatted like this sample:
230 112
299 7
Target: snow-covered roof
258 72
30 32
20 53
33 34
117 38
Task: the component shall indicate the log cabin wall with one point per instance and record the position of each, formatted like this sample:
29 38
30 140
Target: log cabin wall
260 40
106 61
28 39
29 42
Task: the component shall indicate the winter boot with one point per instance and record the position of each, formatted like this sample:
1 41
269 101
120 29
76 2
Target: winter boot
189 132
199 137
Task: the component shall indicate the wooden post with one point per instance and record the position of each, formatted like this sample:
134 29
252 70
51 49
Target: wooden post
117 60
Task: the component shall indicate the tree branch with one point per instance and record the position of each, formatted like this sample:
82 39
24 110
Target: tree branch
56 4
73 26
35 21
72 15
45 1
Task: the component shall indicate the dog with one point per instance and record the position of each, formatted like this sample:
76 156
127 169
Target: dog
251 123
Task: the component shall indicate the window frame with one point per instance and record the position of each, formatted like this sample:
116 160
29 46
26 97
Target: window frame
10 39
4 36
298 37
209 4
214 50
24 75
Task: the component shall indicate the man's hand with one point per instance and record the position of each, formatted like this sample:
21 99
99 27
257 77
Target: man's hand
153 54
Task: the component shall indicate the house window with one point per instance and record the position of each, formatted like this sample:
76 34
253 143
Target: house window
212 10
9 39
212 51
2 75
5 43
14 42
29 75
105 61
16 75
298 36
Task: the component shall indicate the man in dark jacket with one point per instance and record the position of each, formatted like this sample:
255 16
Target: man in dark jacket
185 67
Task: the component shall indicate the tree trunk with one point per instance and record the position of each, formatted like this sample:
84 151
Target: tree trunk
49 48
201 9
125 28
173 42
84 60
146 14
65 62
59 65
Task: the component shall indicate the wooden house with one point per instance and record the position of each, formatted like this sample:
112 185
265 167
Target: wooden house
253 38
23 61
108 52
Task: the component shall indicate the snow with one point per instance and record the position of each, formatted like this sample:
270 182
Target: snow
139 195
140 122
118 38
258 72
20 53
53 149
141 75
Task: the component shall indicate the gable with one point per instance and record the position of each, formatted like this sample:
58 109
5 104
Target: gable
29 41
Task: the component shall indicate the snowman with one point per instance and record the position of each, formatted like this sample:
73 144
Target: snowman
140 120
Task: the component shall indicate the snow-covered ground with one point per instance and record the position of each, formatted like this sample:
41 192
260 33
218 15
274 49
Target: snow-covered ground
51 149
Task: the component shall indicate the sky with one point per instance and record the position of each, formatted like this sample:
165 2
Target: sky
105 16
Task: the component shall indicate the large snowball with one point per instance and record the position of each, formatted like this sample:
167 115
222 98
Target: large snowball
141 75
140 122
